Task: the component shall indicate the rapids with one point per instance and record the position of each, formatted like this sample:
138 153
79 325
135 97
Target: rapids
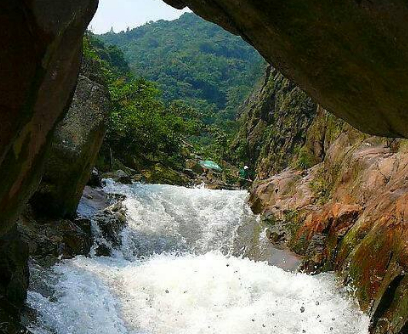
177 272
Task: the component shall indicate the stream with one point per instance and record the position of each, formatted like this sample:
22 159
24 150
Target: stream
181 269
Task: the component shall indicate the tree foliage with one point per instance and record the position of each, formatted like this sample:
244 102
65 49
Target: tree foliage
194 61
173 84
141 124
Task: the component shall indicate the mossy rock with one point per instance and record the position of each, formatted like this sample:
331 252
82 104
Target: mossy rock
164 175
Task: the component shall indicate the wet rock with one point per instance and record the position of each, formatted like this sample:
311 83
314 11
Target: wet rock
137 178
315 256
95 179
103 250
161 174
92 201
122 177
276 236
111 222
14 276
50 239
348 214
84 224
277 231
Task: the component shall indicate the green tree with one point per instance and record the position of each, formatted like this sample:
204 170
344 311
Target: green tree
194 61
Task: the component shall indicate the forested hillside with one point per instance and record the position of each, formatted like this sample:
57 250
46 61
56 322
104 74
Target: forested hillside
160 139
142 129
194 61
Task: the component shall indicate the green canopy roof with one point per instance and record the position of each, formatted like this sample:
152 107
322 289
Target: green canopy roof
210 165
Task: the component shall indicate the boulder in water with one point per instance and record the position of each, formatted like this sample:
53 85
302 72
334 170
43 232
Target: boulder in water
49 239
111 222
122 177
95 179
14 275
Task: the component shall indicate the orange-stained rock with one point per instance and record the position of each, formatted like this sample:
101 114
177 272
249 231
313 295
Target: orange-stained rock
350 214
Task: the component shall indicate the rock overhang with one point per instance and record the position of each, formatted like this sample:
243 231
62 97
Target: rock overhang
349 56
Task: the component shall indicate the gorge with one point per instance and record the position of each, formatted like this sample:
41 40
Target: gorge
333 194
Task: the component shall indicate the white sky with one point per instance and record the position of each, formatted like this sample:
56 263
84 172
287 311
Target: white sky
121 14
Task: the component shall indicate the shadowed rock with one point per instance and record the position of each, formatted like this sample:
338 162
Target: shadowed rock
14 275
40 57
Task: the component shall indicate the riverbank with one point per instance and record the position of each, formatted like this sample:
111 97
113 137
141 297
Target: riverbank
44 242
193 174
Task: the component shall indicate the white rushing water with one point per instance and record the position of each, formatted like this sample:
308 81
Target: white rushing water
174 275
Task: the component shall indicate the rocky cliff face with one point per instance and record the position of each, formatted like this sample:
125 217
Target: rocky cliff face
346 213
349 214
349 55
75 146
40 57
275 120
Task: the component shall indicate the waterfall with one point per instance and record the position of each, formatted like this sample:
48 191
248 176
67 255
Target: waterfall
177 272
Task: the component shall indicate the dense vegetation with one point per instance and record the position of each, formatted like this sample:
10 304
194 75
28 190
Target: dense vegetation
175 89
142 128
194 61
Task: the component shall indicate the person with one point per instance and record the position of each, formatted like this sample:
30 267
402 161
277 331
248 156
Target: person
244 177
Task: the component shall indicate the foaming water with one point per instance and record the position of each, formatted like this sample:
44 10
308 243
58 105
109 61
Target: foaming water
174 274
165 218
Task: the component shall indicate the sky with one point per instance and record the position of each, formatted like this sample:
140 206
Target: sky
121 14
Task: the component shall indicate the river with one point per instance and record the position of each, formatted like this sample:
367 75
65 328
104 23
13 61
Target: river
178 271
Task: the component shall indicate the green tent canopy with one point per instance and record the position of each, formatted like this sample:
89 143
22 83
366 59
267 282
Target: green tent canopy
210 165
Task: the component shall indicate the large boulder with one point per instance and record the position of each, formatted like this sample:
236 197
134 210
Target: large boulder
74 147
40 59
351 55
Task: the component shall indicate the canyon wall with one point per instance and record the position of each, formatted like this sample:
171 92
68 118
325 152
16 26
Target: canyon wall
48 229
275 120
332 194
347 213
